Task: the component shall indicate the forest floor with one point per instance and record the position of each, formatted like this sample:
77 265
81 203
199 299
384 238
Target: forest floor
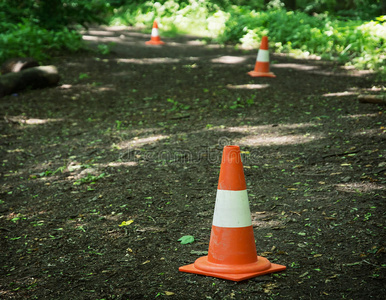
103 174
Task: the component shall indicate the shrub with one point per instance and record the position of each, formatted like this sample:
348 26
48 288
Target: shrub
39 28
29 40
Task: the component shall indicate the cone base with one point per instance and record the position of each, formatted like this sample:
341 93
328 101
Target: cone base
235 276
154 42
261 74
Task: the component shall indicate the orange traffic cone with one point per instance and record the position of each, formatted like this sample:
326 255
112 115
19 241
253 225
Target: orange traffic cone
232 250
155 38
262 61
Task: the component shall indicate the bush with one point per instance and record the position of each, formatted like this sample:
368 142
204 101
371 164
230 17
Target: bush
29 40
38 28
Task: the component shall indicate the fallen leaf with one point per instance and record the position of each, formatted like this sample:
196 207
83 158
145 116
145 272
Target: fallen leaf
269 287
195 252
186 239
126 223
277 227
146 262
169 293
295 212
304 274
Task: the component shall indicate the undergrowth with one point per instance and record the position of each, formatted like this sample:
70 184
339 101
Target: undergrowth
30 40
38 29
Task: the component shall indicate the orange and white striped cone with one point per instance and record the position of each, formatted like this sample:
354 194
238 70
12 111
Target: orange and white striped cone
155 38
262 61
232 251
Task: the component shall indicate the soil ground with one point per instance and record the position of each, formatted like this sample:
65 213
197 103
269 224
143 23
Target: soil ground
102 175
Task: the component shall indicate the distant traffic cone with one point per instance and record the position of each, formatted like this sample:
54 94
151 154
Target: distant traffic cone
155 38
232 250
262 61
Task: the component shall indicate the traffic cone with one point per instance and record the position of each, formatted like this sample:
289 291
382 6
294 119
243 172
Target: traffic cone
232 250
155 38
262 61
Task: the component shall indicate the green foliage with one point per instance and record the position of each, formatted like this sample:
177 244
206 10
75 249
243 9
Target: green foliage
103 49
362 9
240 103
193 16
29 40
362 44
359 9
54 14
177 105
40 28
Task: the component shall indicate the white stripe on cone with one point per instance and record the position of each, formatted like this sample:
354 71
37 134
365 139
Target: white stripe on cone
232 209
263 55
154 32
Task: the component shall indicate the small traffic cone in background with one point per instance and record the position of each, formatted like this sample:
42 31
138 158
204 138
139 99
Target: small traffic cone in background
155 38
262 61
232 250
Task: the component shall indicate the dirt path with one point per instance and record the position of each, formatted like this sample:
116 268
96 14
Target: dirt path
135 137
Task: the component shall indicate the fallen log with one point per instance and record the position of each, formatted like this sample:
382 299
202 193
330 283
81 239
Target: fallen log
376 99
14 65
31 78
